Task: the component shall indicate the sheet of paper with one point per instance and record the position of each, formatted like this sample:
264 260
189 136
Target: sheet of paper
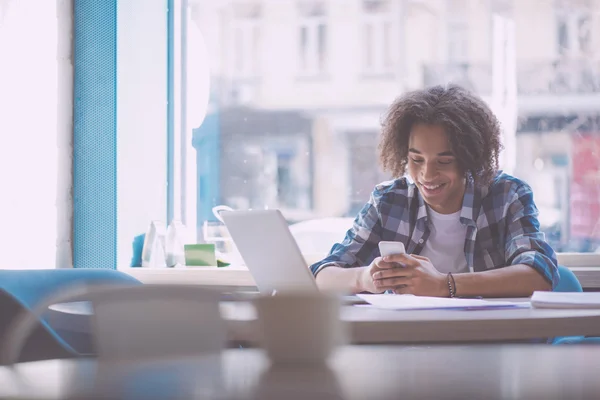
565 300
410 302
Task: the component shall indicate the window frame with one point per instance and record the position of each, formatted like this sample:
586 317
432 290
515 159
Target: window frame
183 162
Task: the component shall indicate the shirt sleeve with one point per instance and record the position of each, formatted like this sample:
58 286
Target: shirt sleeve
525 244
359 247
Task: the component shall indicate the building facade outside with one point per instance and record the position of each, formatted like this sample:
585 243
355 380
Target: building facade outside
299 88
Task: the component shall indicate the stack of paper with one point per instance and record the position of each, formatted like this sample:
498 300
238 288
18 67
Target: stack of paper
565 300
410 302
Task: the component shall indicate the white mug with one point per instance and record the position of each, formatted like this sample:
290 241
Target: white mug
300 327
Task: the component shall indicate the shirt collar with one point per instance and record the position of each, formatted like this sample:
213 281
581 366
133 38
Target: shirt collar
422 209
470 205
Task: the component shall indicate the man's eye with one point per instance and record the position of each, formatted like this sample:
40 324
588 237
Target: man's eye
446 162
416 161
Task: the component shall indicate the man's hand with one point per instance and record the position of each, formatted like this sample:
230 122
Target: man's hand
367 280
407 274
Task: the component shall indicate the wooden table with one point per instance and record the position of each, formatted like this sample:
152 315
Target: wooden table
354 372
370 325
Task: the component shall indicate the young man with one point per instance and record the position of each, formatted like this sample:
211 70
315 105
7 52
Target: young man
468 229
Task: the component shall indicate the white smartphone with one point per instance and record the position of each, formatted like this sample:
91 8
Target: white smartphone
391 248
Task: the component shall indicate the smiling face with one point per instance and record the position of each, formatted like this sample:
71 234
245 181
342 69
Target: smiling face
434 169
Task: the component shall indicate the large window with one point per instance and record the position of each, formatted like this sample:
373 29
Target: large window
308 146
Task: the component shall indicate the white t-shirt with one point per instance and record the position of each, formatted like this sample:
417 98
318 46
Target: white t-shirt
445 246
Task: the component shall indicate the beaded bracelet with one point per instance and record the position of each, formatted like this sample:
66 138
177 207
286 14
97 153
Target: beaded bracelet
451 285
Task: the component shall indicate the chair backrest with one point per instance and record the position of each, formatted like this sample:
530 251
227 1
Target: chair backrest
315 237
22 290
32 286
43 344
135 323
568 281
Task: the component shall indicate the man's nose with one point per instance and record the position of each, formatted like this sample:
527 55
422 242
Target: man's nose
429 172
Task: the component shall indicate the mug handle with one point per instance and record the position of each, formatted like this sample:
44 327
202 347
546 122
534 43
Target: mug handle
217 211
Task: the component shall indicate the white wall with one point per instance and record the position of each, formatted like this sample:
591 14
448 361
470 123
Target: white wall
35 133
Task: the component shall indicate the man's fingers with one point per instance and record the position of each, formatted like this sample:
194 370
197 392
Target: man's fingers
405 260
392 273
418 257
391 283
381 264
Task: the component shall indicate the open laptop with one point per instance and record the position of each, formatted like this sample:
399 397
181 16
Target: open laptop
270 252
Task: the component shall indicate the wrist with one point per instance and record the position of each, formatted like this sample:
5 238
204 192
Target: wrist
444 291
360 280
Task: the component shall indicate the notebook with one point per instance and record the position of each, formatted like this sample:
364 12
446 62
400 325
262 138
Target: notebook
565 300
410 302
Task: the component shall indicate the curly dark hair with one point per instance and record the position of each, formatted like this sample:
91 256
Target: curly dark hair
472 128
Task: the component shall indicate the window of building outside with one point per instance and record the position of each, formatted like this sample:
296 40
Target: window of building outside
378 36
458 32
246 39
309 147
574 46
312 37
574 25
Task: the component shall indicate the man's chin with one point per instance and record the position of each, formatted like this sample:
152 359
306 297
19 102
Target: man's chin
436 200
435 203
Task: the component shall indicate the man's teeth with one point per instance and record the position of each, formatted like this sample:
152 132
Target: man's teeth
432 187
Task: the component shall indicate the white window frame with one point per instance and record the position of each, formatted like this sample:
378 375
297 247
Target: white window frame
184 157
179 52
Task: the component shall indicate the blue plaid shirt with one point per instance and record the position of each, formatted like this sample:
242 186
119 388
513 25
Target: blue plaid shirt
501 221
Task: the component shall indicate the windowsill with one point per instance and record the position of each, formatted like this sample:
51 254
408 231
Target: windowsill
572 260
235 277
586 267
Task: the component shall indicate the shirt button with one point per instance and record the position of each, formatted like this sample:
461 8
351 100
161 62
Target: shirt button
420 241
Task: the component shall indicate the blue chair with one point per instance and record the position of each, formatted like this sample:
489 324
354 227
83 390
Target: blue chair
569 283
21 290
